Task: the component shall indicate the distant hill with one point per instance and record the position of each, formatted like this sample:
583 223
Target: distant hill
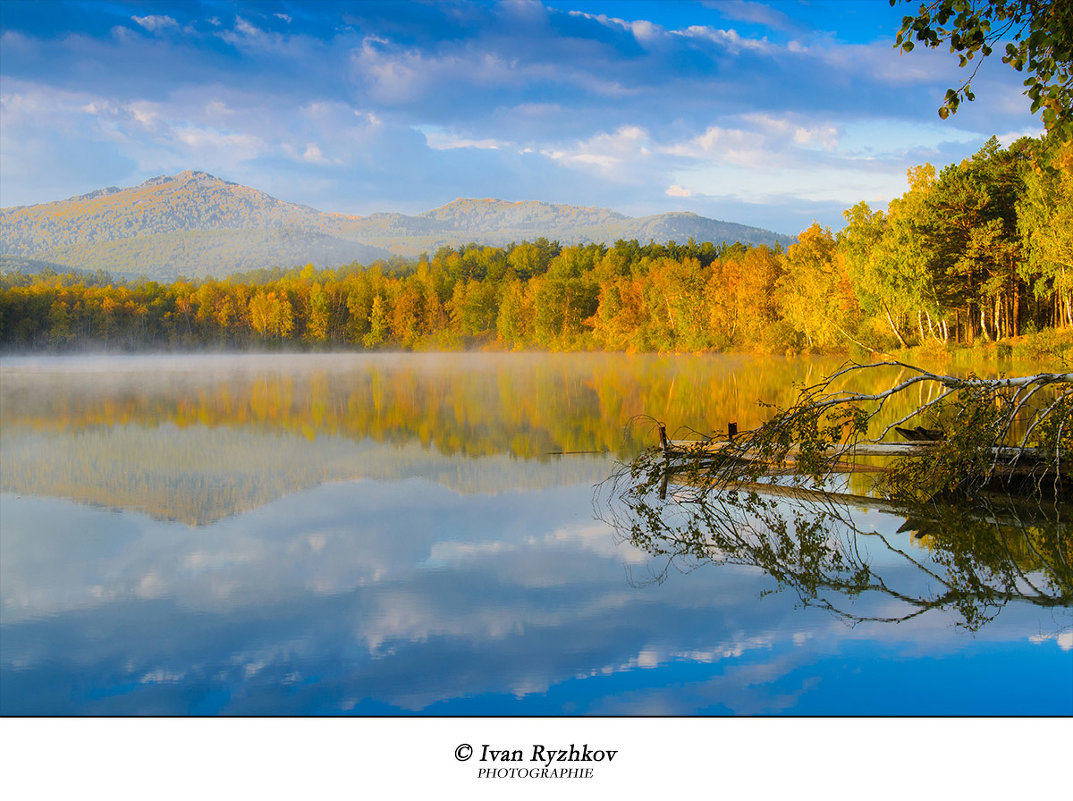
11 264
499 222
190 224
197 225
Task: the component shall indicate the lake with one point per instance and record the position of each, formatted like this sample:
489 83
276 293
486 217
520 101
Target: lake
429 534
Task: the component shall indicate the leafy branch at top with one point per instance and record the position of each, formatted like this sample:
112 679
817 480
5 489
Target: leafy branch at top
1038 36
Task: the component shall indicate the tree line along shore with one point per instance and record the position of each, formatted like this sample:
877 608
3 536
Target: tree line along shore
980 251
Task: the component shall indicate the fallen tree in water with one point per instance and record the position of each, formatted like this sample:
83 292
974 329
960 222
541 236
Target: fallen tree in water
778 497
971 434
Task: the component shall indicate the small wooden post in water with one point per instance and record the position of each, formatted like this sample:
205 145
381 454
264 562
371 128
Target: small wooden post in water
666 467
732 430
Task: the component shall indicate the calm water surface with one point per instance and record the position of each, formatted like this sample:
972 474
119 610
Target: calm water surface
352 534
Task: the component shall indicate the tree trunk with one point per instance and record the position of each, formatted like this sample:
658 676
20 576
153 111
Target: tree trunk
856 341
894 328
1016 306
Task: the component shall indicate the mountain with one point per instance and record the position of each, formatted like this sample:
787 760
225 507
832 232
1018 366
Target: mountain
190 224
196 224
499 222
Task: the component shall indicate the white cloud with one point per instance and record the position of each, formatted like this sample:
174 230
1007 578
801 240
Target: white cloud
329 133
648 33
217 108
391 78
760 142
145 113
213 128
759 158
610 154
593 538
732 145
642 30
651 657
110 112
403 77
729 40
243 26
243 146
313 155
755 158
156 22
645 31
247 36
1064 639
747 11
438 139
823 135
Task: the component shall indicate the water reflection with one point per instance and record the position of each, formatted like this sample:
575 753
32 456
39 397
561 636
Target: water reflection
350 598
971 559
167 548
526 405
200 438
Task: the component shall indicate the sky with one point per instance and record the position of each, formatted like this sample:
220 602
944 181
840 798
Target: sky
774 114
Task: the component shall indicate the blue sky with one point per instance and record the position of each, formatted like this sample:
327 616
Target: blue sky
767 113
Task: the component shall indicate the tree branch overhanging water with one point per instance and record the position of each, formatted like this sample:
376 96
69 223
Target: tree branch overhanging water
776 498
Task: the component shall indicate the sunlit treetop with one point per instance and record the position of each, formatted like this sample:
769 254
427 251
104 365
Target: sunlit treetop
1038 35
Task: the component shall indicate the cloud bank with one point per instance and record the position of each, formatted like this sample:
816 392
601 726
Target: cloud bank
770 115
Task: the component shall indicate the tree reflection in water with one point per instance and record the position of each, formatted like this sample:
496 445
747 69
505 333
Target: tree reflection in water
835 551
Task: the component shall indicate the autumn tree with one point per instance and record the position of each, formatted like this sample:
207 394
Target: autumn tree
1045 224
757 314
859 243
815 292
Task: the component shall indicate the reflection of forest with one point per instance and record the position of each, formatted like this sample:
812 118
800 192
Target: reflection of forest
526 405
199 438
967 559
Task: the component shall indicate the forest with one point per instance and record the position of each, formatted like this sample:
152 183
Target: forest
976 251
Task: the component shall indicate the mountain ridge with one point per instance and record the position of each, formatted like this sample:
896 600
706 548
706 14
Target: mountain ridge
198 225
